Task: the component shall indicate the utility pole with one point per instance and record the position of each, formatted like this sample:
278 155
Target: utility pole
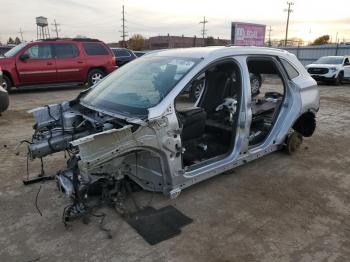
269 30
56 29
203 29
124 33
21 33
288 10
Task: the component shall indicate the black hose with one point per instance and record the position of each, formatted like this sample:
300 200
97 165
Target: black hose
36 202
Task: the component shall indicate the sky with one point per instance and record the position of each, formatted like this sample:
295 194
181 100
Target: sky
102 18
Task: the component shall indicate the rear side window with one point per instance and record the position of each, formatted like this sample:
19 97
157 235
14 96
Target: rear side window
95 49
121 53
41 51
291 71
66 50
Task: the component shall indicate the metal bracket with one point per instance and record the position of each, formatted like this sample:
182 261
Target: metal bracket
37 180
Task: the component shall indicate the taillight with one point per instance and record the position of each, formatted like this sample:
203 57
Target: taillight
114 60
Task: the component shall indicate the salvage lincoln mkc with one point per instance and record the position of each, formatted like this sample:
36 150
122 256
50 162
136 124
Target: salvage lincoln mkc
138 125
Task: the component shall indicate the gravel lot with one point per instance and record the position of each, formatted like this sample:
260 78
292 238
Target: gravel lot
278 208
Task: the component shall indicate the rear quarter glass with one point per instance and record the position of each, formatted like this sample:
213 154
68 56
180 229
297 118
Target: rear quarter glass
95 49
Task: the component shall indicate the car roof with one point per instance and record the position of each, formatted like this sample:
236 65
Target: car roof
335 56
67 40
203 52
120 48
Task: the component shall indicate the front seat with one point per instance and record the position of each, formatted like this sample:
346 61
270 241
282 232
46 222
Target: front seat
192 121
214 92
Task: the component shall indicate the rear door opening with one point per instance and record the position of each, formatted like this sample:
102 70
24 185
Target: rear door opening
267 100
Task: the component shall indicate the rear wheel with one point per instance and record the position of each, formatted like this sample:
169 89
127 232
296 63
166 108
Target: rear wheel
6 83
255 83
196 90
94 76
293 142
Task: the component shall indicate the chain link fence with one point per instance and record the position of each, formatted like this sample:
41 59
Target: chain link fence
308 54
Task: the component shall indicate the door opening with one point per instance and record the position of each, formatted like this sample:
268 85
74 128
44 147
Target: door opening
209 124
267 97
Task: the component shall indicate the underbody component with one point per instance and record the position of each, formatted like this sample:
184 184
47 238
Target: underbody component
293 142
158 225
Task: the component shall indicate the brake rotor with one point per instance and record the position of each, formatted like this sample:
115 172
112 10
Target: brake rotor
293 142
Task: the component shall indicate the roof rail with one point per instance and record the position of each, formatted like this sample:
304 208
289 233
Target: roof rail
86 40
72 39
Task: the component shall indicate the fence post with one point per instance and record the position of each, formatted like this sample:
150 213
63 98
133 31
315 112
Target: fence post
298 50
336 49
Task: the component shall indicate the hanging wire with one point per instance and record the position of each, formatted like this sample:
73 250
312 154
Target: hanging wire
36 202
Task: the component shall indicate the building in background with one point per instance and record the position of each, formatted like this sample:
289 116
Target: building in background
169 41
163 42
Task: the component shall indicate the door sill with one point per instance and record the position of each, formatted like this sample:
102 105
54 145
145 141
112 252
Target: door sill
50 85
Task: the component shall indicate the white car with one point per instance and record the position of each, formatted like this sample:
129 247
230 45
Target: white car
330 69
134 125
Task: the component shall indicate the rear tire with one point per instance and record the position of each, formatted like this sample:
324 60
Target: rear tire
196 90
293 142
255 83
6 83
94 76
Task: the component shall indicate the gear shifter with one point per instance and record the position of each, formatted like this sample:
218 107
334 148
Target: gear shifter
230 104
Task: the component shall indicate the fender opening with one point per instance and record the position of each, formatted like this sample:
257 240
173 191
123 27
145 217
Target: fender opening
306 124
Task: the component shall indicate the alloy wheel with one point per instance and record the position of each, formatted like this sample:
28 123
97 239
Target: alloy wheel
255 85
95 78
4 84
198 90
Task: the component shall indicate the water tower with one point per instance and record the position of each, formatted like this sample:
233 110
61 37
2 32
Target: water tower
42 28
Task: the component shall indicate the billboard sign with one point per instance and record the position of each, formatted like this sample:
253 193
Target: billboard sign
246 34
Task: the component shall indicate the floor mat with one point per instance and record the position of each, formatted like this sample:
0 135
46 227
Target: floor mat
158 225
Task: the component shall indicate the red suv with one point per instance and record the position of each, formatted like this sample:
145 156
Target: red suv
56 62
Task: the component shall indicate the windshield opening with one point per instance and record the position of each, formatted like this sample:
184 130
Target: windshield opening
332 60
13 51
139 85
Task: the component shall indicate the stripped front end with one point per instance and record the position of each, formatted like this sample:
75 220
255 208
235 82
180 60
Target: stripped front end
109 156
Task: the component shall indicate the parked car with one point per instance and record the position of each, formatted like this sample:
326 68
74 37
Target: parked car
57 62
4 98
123 55
334 69
130 126
139 53
4 49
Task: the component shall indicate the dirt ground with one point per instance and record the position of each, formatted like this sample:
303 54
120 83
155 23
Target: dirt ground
278 208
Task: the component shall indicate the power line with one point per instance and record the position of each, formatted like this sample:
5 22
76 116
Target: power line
203 29
56 29
269 30
21 33
288 10
124 33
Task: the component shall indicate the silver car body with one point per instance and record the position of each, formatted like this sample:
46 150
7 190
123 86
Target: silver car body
157 165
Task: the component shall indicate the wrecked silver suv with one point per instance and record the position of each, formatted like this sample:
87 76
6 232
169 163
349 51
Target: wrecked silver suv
138 124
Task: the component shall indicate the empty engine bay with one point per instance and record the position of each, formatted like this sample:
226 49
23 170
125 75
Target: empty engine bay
104 159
